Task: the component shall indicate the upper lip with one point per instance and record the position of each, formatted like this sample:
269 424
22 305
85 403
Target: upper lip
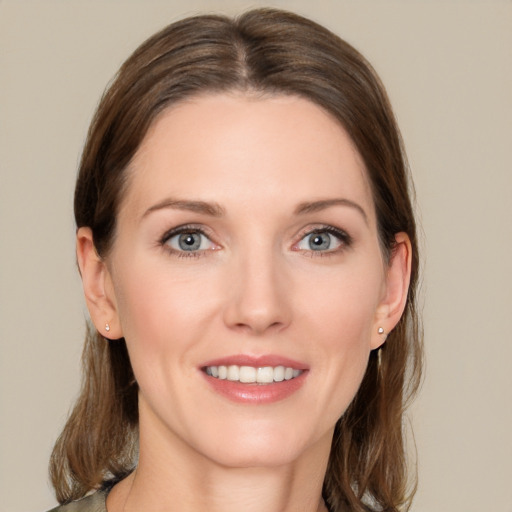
256 361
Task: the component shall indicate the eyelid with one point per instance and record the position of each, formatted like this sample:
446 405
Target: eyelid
344 238
341 235
183 229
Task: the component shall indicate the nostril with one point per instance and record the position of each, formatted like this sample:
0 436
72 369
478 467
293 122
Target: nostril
258 327
255 302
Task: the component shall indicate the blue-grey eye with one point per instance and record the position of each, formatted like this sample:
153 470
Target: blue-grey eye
319 241
191 241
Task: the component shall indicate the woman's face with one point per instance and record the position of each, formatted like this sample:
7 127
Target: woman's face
246 241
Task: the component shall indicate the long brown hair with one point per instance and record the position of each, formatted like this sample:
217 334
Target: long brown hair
270 51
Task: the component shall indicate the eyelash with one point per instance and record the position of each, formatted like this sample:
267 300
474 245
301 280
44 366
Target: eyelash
342 236
183 230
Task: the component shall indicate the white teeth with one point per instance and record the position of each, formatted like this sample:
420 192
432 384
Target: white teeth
233 372
265 375
250 374
247 374
279 373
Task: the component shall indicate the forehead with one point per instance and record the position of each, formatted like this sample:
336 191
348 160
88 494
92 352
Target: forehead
224 147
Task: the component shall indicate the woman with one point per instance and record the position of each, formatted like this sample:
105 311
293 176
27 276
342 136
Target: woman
248 254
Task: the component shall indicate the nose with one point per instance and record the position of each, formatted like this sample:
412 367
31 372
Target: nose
259 295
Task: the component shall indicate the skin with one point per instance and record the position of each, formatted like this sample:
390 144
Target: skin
254 287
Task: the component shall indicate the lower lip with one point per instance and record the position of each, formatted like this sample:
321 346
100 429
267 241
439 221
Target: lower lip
256 393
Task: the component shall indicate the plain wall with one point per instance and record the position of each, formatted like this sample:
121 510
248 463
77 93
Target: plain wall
448 69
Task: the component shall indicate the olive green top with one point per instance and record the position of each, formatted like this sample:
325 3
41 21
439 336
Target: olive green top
92 503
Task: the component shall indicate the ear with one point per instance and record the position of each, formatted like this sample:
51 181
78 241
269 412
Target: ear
392 305
98 287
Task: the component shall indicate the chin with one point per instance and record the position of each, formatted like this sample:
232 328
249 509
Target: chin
243 456
269 445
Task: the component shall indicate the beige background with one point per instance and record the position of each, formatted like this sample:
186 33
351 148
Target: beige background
448 69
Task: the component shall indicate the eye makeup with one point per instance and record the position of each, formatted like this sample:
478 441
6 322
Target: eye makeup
193 240
323 240
186 241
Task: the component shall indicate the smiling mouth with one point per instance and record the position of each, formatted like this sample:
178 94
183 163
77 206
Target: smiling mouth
252 375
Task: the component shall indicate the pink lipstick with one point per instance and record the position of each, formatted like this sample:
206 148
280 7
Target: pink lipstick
256 380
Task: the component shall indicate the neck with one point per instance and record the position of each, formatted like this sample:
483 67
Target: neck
173 477
248 489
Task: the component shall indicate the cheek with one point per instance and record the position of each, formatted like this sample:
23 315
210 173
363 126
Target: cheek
151 297
342 340
156 322
343 305
340 321
162 313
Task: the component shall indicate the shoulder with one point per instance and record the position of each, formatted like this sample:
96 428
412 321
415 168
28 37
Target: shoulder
93 503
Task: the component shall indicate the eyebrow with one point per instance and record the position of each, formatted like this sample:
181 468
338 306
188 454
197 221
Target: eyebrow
316 206
215 210
212 209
